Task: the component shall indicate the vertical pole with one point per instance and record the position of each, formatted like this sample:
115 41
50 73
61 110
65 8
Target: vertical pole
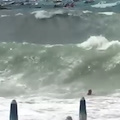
82 109
13 110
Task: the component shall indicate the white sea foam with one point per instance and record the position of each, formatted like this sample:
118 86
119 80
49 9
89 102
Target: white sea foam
18 14
106 13
104 5
46 14
86 11
98 42
98 108
5 15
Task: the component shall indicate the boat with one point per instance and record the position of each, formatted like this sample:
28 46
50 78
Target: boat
89 1
58 3
20 4
2 7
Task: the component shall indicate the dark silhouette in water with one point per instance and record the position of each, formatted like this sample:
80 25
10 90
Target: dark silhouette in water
69 5
89 92
69 118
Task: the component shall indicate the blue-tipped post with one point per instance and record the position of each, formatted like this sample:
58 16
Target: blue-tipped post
82 110
13 110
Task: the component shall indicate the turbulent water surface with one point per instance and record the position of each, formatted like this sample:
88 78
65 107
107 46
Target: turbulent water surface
50 57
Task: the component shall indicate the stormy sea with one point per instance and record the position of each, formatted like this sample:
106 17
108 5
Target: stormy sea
50 57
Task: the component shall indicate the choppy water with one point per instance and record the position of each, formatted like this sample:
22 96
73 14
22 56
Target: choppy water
49 58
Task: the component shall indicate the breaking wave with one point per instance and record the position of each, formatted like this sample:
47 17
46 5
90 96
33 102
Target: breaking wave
61 69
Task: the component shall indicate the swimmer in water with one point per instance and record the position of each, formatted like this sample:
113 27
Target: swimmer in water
69 118
89 92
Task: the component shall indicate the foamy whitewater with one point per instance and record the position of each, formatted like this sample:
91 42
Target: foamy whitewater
50 57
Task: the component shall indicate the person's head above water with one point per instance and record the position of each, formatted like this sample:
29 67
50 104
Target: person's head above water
69 118
89 92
